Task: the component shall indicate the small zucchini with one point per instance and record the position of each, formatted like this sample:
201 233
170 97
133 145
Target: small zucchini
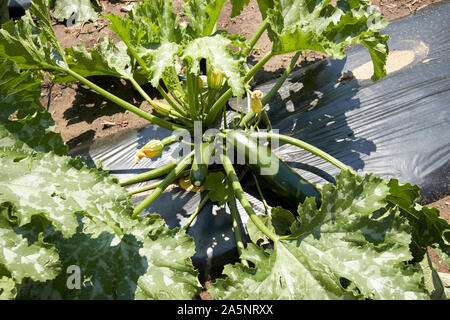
199 168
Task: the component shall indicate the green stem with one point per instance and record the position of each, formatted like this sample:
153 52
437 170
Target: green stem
170 101
237 228
256 37
141 62
220 103
152 174
146 188
217 106
258 66
240 195
304 145
196 212
164 184
266 207
192 92
250 114
124 104
281 80
266 120
150 100
171 140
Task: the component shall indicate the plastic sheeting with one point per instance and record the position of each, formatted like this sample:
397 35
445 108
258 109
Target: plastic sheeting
17 8
397 127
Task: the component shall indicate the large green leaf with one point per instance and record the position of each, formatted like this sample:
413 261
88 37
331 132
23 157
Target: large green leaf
18 91
122 257
149 22
151 34
106 59
318 25
134 33
162 59
158 13
238 6
22 115
265 5
57 213
38 261
80 10
215 50
428 228
57 188
203 15
432 280
26 45
351 247
29 46
8 289
219 190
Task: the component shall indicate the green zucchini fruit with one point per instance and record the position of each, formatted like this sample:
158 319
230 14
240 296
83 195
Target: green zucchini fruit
199 168
271 170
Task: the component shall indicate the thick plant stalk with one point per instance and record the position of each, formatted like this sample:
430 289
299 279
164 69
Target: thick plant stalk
126 105
256 36
192 90
240 195
304 145
146 188
170 101
170 178
152 174
281 80
237 228
170 140
150 100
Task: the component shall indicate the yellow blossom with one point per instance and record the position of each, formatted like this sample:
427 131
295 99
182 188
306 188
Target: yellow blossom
152 149
256 101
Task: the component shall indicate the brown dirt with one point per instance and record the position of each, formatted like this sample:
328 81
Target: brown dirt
82 116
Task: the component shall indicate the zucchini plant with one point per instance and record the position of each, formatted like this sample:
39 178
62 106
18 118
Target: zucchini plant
362 237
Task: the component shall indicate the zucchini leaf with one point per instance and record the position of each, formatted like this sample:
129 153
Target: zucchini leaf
264 5
350 247
38 261
238 6
160 60
215 50
29 46
106 59
203 15
158 13
432 279
22 116
151 34
428 228
57 213
91 227
81 10
319 26
279 222
219 191
149 23
8 289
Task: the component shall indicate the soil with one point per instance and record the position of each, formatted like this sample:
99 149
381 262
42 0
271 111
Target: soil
82 116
